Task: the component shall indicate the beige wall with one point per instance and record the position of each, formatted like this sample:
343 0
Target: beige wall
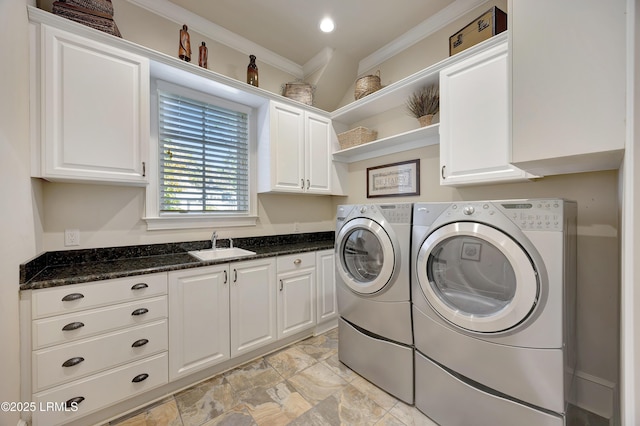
598 241
110 216
19 223
596 194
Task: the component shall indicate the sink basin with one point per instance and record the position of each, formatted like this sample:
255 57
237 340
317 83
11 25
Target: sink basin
221 253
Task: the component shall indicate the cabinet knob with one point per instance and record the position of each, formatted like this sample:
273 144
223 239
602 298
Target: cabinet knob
73 326
140 378
140 311
297 261
72 361
139 286
72 296
74 401
139 343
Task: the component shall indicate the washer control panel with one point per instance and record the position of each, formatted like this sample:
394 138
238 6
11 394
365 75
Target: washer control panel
395 213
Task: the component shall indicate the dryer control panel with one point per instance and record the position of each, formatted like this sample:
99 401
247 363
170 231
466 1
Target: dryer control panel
528 215
534 215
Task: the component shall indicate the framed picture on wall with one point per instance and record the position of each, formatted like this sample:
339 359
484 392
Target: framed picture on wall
394 180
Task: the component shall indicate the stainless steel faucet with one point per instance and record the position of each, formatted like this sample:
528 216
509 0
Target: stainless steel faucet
214 239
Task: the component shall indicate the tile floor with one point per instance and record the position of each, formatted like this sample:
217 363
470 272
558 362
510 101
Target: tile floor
301 385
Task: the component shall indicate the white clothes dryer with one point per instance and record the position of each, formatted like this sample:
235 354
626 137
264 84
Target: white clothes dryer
494 294
374 294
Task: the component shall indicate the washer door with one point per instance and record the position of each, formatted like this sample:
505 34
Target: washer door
477 277
366 259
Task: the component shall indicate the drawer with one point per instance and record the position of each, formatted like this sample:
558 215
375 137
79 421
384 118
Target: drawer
99 391
71 298
79 325
294 262
89 356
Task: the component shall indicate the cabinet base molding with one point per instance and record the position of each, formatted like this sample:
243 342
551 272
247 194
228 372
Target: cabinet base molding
129 406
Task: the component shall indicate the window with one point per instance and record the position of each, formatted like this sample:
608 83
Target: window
203 156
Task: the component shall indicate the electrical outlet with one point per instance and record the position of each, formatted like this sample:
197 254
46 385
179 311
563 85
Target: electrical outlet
71 237
296 227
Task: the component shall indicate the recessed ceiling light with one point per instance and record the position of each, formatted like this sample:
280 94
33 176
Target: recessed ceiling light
327 25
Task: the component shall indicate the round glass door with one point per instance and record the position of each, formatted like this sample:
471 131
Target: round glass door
366 256
477 278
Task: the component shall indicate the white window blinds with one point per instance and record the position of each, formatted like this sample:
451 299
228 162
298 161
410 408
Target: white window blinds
203 155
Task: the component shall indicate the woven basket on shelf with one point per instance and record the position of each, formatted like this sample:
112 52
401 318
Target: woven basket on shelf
299 91
367 85
356 136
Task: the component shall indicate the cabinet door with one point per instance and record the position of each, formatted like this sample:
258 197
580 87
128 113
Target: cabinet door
474 121
569 84
296 301
253 304
287 148
95 111
318 153
198 319
326 286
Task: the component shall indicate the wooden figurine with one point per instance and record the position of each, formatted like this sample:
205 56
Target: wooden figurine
184 52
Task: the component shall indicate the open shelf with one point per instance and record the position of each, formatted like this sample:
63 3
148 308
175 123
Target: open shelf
412 139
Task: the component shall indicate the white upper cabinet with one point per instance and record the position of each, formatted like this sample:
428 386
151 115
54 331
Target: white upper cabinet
568 73
474 121
93 120
295 152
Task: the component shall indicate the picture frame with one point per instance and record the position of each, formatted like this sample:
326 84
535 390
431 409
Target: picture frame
394 180
471 251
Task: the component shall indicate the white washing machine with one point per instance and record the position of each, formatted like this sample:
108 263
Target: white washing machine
494 294
374 294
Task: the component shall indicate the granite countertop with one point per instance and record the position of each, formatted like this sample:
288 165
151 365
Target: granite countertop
53 269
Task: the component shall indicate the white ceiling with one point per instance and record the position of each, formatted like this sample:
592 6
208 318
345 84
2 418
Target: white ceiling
289 28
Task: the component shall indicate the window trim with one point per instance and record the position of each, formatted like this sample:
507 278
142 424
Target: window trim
157 220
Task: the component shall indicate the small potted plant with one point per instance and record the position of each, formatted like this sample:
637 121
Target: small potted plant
424 104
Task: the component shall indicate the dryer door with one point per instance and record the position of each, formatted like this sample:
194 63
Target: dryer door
477 278
366 259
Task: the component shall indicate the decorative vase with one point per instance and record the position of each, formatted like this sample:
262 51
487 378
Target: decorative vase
204 56
425 120
184 51
252 71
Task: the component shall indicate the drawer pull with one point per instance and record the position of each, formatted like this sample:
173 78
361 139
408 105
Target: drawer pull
73 326
73 361
139 286
297 261
139 343
74 401
140 378
72 296
140 311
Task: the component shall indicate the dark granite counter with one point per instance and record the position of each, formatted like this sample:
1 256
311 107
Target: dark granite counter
52 269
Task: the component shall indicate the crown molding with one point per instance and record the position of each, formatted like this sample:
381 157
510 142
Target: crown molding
179 15
321 59
421 31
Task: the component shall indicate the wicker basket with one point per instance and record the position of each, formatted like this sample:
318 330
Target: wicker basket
367 85
355 137
299 91
92 13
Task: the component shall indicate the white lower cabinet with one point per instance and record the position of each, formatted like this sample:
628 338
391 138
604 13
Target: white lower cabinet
253 304
198 319
96 344
86 355
296 293
327 303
